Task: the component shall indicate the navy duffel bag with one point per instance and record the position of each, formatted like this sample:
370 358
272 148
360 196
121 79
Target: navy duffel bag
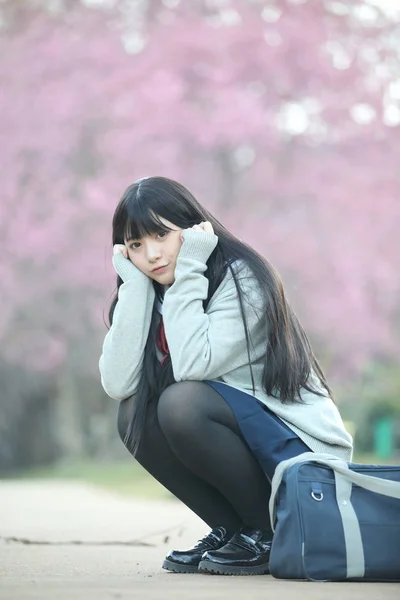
335 521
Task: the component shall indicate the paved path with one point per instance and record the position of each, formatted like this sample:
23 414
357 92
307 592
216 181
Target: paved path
73 541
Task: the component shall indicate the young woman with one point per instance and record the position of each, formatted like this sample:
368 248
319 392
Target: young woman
216 377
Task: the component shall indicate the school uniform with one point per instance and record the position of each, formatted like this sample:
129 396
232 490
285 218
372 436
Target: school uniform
210 346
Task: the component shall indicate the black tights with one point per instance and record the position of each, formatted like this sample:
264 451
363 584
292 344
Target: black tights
193 446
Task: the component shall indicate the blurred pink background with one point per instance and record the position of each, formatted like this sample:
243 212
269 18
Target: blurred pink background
282 117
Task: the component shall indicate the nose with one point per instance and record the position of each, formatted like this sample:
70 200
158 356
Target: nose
153 252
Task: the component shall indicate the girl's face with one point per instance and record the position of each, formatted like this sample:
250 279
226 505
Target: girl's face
156 254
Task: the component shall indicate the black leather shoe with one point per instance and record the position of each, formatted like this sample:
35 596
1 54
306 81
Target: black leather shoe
246 553
187 561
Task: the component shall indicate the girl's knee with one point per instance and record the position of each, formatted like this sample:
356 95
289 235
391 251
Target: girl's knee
124 417
124 427
180 407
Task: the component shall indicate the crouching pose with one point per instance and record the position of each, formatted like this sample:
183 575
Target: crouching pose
215 376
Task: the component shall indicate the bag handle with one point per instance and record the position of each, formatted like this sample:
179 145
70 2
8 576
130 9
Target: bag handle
378 485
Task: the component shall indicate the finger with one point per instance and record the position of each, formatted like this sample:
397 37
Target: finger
206 226
120 249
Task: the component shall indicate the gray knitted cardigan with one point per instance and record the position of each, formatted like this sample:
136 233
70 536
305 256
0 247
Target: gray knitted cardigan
211 344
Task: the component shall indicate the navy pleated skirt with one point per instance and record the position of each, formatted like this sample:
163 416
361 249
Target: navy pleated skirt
269 438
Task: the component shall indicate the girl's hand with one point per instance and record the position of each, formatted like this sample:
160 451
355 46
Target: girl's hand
120 249
204 226
124 268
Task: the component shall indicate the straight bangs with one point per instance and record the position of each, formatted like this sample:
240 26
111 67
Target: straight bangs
141 222
134 219
142 207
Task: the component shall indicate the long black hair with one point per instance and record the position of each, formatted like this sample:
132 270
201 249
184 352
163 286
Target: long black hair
289 359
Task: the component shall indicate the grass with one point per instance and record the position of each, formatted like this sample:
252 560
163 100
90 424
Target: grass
128 477
372 459
122 477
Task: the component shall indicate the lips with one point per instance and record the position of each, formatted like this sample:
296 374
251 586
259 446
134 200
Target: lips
159 268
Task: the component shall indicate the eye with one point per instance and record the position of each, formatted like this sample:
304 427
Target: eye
162 234
134 245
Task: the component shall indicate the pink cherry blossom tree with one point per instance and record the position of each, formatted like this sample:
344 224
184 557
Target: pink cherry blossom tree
283 118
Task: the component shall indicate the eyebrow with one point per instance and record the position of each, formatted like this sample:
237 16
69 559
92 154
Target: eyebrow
136 239
160 228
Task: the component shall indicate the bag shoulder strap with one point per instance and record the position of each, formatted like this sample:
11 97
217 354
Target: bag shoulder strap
378 485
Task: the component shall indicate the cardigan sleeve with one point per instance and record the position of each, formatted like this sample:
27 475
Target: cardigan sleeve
123 348
206 345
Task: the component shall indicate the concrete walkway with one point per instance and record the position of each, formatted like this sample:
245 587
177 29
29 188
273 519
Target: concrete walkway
69 541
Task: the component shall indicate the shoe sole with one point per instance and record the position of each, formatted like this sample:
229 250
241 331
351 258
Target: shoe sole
208 566
169 565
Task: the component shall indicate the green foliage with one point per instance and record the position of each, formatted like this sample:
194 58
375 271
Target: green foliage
124 476
375 396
